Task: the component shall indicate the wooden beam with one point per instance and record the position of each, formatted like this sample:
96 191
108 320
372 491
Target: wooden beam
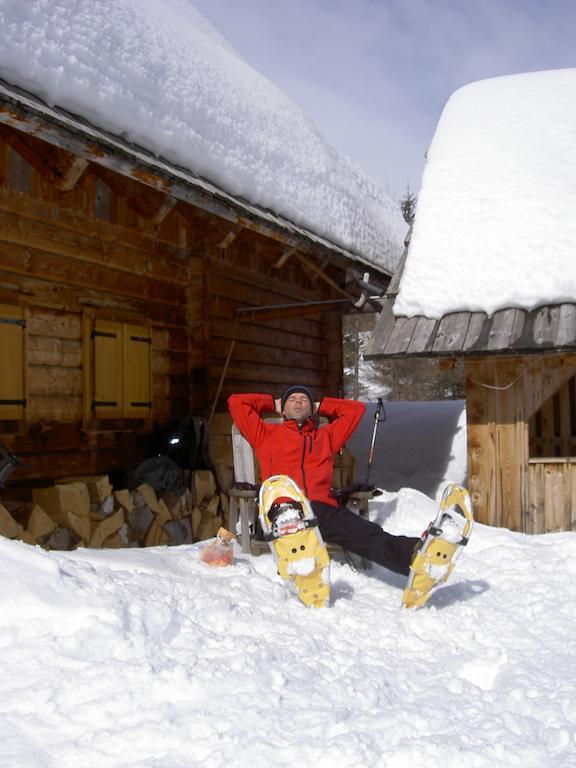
284 258
316 275
145 201
72 174
294 310
130 247
58 166
31 116
163 211
327 279
229 239
22 145
481 417
551 373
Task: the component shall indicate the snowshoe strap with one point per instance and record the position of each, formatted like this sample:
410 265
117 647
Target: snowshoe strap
311 522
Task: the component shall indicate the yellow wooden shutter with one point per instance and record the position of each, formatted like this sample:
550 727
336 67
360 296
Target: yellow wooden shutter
108 393
137 395
12 400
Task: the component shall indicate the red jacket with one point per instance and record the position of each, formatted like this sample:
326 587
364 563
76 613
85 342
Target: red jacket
304 453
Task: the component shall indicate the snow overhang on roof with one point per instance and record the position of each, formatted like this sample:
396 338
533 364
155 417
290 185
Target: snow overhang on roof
509 331
27 113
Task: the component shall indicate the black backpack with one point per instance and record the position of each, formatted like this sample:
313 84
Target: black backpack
189 444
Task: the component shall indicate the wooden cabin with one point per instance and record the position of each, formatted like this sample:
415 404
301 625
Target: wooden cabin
520 369
133 293
494 232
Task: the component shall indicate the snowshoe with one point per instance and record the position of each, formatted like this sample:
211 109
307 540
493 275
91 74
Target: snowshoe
440 547
291 529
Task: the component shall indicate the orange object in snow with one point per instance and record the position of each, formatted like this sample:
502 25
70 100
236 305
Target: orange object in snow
219 553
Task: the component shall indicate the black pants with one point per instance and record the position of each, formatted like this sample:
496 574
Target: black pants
339 525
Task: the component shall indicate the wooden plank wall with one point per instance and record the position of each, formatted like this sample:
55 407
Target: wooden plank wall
553 426
67 257
269 354
551 495
496 438
78 242
502 395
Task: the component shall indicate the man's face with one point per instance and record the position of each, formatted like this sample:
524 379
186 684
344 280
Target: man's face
298 407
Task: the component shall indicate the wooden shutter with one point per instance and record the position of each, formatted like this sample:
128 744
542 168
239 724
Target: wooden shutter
108 392
137 394
12 325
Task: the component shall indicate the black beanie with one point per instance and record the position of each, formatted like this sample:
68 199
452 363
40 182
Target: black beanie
292 391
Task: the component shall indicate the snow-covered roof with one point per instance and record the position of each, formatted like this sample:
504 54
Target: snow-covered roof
156 73
490 267
495 225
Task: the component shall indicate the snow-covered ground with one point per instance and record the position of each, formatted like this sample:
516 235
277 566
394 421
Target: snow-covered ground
157 73
151 659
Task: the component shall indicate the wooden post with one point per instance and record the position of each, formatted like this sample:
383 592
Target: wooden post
497 441
481 441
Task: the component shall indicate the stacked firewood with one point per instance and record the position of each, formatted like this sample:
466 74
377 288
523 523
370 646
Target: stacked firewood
88 512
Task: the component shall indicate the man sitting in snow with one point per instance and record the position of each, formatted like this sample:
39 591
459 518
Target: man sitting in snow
304 452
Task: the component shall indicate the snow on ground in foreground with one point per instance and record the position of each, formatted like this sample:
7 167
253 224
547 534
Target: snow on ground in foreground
494 224
150 659
157 73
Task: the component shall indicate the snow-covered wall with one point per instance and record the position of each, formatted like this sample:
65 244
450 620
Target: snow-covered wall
495 222
157 73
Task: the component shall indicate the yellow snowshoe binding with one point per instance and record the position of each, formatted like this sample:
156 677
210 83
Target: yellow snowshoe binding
291 529
441 546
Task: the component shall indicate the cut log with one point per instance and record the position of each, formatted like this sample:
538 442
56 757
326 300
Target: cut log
217 524
204 485
8 526
124 499
139 521
179 531
62 538
206 529
144 495
164 514
156 536
213 505
68 505
113 542
99 486
106 529
102 509
40 524
225 506
196 521
179 506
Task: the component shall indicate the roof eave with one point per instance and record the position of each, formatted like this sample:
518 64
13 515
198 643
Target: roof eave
28 113
547 329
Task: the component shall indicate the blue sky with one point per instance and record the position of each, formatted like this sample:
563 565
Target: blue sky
374 75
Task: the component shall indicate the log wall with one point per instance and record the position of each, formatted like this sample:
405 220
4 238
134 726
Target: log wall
267 355
80 245
69 258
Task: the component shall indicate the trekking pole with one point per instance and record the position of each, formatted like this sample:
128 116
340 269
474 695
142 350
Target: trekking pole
379 416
